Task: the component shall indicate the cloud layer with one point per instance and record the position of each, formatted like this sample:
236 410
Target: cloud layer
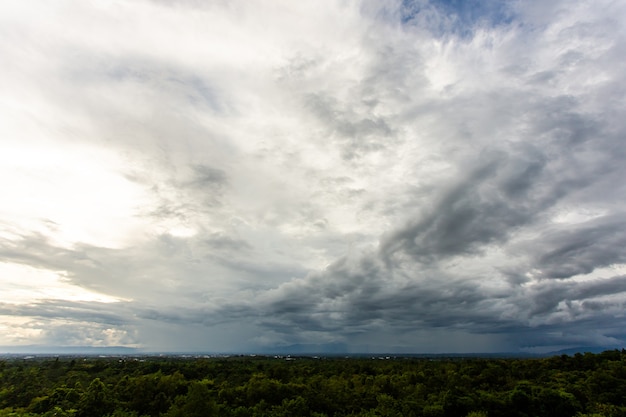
407 176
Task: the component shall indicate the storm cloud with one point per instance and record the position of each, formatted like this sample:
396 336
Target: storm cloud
414 176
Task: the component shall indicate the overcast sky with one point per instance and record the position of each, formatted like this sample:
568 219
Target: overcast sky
376 175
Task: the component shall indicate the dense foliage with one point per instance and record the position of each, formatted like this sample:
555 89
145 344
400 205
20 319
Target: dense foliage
579 385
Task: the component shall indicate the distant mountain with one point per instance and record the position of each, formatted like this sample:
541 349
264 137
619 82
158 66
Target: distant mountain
300 349
296 349
340 349
582 349
68 350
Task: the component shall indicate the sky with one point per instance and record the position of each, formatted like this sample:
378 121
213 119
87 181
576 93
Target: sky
365 176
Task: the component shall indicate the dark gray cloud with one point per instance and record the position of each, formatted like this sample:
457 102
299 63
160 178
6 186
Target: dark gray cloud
221 242
500 194
112 315
358 135
581 248
208 178
548 296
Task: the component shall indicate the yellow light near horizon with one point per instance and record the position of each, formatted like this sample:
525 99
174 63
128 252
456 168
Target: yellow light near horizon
69 195
22 284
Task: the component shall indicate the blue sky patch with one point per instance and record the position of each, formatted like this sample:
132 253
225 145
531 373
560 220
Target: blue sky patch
460 17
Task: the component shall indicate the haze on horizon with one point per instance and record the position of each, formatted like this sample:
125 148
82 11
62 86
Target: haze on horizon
399 176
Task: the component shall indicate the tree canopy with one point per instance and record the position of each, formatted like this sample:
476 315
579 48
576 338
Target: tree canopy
561 386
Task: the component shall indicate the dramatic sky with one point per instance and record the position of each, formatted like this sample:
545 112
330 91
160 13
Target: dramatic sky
375 175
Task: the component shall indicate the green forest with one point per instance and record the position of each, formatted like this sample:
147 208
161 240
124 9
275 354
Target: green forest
246 386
